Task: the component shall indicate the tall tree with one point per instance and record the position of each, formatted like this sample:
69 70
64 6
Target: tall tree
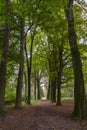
59 73
21 68
4 55
79 91
29 67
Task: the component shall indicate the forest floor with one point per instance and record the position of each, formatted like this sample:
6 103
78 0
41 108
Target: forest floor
43 116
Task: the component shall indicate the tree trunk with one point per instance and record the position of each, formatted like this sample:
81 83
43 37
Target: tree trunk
38 89
59 73
35 87
35 90
3 62
49 91
25 78
79 91
53 92
21 69
29 67
38 85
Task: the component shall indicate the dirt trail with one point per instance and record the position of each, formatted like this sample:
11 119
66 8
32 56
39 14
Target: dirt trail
43 116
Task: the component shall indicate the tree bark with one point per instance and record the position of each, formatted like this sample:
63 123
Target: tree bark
28 73
38 85
35 87
59 73
49 90
53 92
21 69
29 67
25 78
38 88
79 91
4 57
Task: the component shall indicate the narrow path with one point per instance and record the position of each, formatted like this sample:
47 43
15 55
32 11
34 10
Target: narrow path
43 116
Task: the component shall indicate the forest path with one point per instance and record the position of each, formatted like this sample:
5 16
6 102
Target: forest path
43 116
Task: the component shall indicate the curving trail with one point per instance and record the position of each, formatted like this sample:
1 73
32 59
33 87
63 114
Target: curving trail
43 116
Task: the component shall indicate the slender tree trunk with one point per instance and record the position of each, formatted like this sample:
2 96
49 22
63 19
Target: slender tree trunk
49 95
59 73
3 62
35 90
38 85
49 91
35 87
38 89
29 67
52 81
25 78
28 74
79 91
21 69
53 92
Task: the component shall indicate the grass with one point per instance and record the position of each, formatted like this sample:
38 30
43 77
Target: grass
33 101
12 104
67 99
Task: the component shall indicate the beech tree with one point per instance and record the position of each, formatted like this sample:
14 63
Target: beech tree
4 53
21 68
80 104
29 67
